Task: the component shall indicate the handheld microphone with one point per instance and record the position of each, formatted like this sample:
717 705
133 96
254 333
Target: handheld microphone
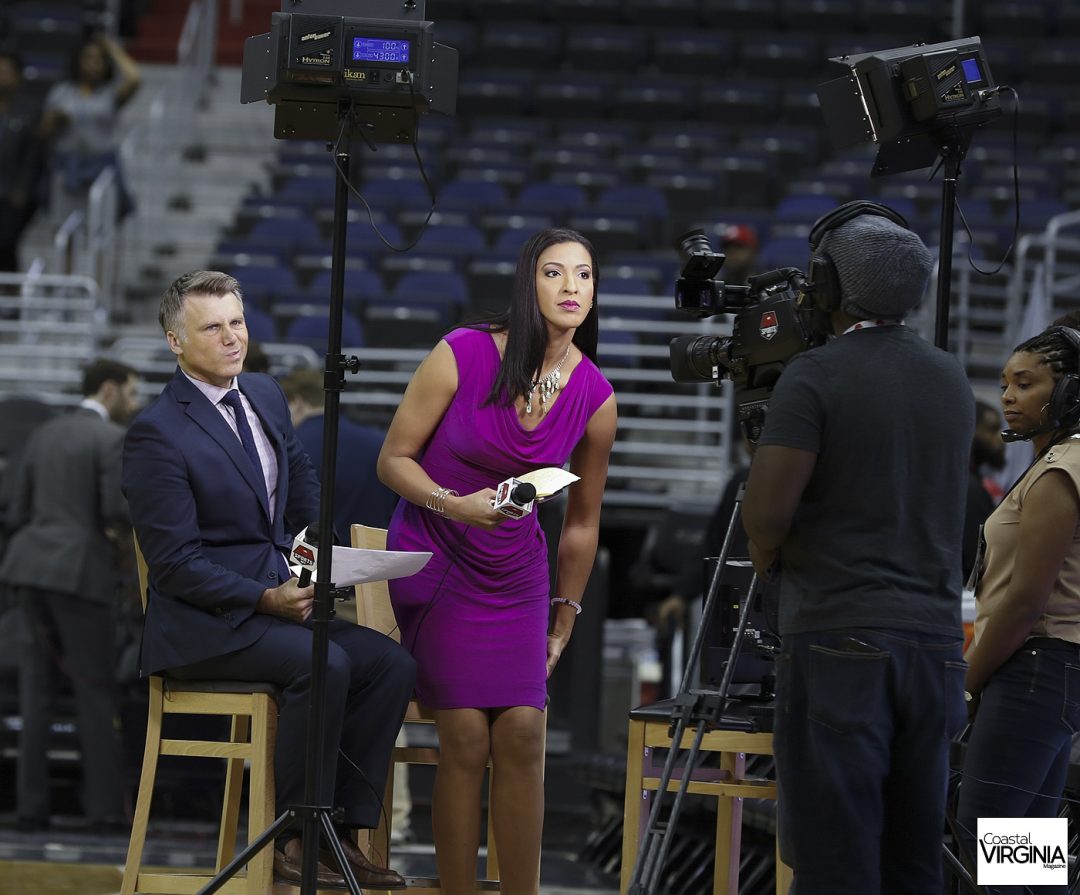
305 552
514 498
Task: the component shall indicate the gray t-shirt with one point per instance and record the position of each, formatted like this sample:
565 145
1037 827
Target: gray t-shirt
91 126
876 539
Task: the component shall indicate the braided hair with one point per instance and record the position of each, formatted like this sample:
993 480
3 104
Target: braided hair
1053 349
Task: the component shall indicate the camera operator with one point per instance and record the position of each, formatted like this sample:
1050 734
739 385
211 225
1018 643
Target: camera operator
856 497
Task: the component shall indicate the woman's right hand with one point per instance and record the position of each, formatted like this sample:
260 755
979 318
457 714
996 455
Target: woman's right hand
474 509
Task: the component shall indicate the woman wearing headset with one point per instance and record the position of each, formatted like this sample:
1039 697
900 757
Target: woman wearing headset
1023 676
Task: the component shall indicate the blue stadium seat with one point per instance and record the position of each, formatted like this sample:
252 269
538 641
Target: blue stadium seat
550 199
612 48
561 95
657 99
260 325
805 209
291 234
362 240
422 285
389 194
617 348
783 251
359 286
748 102
269 282
692 51
487 91
514 44
314 330
445 240
473 196
638 200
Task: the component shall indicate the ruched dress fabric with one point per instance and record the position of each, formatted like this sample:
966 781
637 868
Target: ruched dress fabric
476 617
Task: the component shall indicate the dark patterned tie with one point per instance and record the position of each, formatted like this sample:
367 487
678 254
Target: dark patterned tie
232 398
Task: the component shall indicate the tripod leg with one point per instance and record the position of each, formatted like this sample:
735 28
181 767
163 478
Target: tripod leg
335 846
266 838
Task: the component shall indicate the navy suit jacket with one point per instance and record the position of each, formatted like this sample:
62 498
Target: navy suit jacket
200 513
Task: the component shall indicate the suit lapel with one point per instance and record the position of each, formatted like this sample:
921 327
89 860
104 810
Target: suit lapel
209 418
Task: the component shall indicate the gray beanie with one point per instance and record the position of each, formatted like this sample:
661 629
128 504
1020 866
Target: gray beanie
883 268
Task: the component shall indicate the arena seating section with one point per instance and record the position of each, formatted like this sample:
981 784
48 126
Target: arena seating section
632 121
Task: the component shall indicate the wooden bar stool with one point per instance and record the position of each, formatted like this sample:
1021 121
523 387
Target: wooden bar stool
728 784
252 709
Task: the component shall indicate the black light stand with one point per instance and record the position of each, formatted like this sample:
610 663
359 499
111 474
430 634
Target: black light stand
953 149
703 708
317 820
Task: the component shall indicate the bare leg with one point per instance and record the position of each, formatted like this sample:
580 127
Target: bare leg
464 746
517 749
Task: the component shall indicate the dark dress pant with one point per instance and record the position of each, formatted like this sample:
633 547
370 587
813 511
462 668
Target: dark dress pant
369 681
864 719
69 636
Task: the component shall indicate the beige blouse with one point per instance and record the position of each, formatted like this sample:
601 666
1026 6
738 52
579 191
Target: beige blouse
1061 617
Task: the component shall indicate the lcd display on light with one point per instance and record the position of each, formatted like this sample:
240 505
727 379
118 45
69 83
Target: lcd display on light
972 73
376 49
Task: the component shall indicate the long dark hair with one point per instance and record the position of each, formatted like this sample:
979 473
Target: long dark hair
526 331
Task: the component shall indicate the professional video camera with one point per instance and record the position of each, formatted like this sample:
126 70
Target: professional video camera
769 328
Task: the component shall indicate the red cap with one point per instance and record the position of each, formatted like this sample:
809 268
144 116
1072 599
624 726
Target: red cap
740 235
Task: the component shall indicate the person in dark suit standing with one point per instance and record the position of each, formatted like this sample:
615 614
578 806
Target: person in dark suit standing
61 560
217 480
359 495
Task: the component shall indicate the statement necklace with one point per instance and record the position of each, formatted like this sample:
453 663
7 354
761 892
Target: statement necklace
546 385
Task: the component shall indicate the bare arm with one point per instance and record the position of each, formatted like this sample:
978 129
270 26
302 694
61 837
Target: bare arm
130 77
778 477
581 524
1047 526
420 412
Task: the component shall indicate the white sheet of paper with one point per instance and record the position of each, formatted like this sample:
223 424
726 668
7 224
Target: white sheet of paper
353 565
548 480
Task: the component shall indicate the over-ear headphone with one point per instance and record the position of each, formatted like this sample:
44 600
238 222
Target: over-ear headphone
1063 409
823 282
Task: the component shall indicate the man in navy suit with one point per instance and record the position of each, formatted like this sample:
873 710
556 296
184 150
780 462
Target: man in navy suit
216 481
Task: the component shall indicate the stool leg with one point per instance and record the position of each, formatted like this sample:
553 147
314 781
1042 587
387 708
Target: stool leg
784 876
146 788
728 828
239 732
260 869
635 790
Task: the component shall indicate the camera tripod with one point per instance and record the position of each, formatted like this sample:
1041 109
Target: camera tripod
702 708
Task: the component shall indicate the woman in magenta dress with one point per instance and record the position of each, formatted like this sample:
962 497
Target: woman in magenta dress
490 402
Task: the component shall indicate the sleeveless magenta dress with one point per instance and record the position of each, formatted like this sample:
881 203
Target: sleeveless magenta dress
476 617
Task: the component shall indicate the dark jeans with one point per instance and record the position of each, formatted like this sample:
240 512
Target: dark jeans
369 681
863 724
1018 754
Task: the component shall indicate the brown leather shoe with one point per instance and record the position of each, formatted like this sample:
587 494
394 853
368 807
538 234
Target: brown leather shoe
367 874
288 864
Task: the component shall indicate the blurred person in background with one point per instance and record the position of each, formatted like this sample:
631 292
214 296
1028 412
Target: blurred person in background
20 158
359 496
987 456
80 121
66 513
739 243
